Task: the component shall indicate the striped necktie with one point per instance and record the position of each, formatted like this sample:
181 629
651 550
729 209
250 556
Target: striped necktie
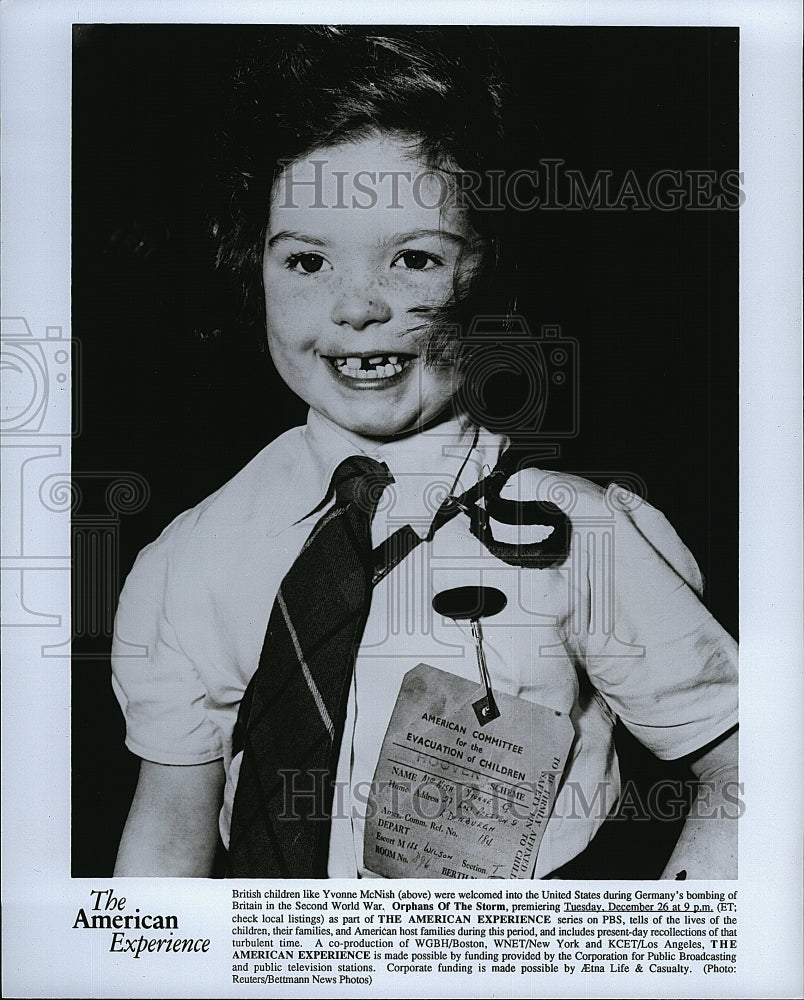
291 719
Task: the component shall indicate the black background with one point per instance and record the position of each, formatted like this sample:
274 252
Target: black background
172 390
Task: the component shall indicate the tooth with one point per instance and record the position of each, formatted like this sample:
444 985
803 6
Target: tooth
397 368
390 369
393 358
353 363
340 362
375 360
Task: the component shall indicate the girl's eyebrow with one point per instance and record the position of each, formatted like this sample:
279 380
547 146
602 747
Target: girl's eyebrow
289 234
417 234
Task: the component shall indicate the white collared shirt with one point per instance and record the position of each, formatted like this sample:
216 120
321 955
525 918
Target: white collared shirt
617 630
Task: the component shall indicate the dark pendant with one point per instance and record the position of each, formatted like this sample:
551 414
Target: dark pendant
469 603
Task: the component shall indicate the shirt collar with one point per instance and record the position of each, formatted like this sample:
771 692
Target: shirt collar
424 465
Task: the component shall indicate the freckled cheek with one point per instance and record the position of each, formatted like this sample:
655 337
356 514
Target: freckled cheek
433 288
405 296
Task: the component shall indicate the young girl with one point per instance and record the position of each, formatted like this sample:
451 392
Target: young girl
311 706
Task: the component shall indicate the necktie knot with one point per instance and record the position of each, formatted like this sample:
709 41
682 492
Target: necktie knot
361 480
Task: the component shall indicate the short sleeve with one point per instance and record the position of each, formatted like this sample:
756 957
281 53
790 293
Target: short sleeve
160 691
660 660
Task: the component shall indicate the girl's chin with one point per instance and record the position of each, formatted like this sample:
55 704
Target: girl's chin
380 428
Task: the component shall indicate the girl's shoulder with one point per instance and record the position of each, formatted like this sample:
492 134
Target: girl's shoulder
638 529
261 491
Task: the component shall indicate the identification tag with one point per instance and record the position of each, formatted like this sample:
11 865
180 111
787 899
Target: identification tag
455 799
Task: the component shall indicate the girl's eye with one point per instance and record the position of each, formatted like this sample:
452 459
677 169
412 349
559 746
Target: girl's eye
305 263
416 260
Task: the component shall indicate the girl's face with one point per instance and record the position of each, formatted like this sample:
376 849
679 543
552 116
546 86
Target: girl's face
359 236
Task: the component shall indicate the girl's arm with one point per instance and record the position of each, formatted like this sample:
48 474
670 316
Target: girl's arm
707 847
172 826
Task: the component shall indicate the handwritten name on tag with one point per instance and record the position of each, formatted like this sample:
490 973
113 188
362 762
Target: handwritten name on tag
452 799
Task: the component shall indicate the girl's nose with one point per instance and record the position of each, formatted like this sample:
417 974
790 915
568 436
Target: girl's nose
359 305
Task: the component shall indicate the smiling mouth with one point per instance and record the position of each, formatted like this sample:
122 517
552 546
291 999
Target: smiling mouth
375 367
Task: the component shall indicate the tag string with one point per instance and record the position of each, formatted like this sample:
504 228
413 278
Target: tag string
486 709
